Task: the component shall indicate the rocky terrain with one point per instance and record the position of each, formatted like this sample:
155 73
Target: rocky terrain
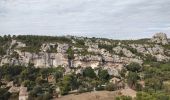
84 52
69 67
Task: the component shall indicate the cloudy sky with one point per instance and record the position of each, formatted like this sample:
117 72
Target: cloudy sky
117 19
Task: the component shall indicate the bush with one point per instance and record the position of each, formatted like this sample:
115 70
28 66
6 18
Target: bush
138 87
134 67
110 87
103 75
123 98
132 79
152 96
47 96
81 90
89 72
4 94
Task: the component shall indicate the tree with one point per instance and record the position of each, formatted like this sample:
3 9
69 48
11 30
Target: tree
123 72
154 83
4 94
28 83
150 58
103 75
134 67
2 51
89 72
47 96
39 81
68 83
132 79
138 87
58 75
29 73
44 73
70 53
36 90
110 87
8 77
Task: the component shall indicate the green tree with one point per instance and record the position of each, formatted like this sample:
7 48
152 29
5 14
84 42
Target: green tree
44 72
68 83
4 94
47 96
39 81
70 53
134 67
36 91
154 83
28 83
103 75
110 87
89 72
132 79
57 75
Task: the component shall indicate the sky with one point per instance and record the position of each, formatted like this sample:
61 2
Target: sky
116 19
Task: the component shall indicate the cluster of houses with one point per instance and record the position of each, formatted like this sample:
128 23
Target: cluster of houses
23 93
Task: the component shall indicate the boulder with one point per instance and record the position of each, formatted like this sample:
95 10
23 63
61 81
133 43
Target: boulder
125 51
62 48
160 38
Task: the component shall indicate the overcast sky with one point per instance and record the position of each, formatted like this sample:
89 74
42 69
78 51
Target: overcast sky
117 19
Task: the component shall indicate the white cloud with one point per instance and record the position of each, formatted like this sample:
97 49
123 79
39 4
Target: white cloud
102 18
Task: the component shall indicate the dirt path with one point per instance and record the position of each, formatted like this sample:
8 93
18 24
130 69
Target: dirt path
99 95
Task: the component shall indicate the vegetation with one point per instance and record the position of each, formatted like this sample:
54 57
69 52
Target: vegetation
123 98
89 72
107 47
4 94
152 96
34 43
103 75
134 67
70 53
39 86
151 80
4 44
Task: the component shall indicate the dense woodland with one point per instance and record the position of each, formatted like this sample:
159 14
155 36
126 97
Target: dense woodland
156 75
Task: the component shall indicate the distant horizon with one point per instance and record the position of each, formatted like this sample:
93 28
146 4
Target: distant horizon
147 37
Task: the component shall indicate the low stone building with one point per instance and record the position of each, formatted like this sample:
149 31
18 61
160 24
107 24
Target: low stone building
14 89
23 94
115 80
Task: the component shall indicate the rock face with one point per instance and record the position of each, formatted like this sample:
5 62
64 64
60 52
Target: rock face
156 51
125 51
110 56
160 38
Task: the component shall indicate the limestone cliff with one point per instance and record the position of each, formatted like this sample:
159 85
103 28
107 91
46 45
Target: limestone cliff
110 54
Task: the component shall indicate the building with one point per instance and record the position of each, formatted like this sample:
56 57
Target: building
23 94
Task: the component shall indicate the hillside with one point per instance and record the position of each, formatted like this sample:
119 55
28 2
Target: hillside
47 65
72 51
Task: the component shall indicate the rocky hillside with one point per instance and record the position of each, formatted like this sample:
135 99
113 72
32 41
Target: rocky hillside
70 51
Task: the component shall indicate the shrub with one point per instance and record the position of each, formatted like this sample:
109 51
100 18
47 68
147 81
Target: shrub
123 98
110 87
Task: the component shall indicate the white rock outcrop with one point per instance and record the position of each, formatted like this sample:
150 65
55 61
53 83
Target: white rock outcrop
160 38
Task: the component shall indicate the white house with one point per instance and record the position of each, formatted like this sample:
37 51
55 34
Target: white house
23 94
